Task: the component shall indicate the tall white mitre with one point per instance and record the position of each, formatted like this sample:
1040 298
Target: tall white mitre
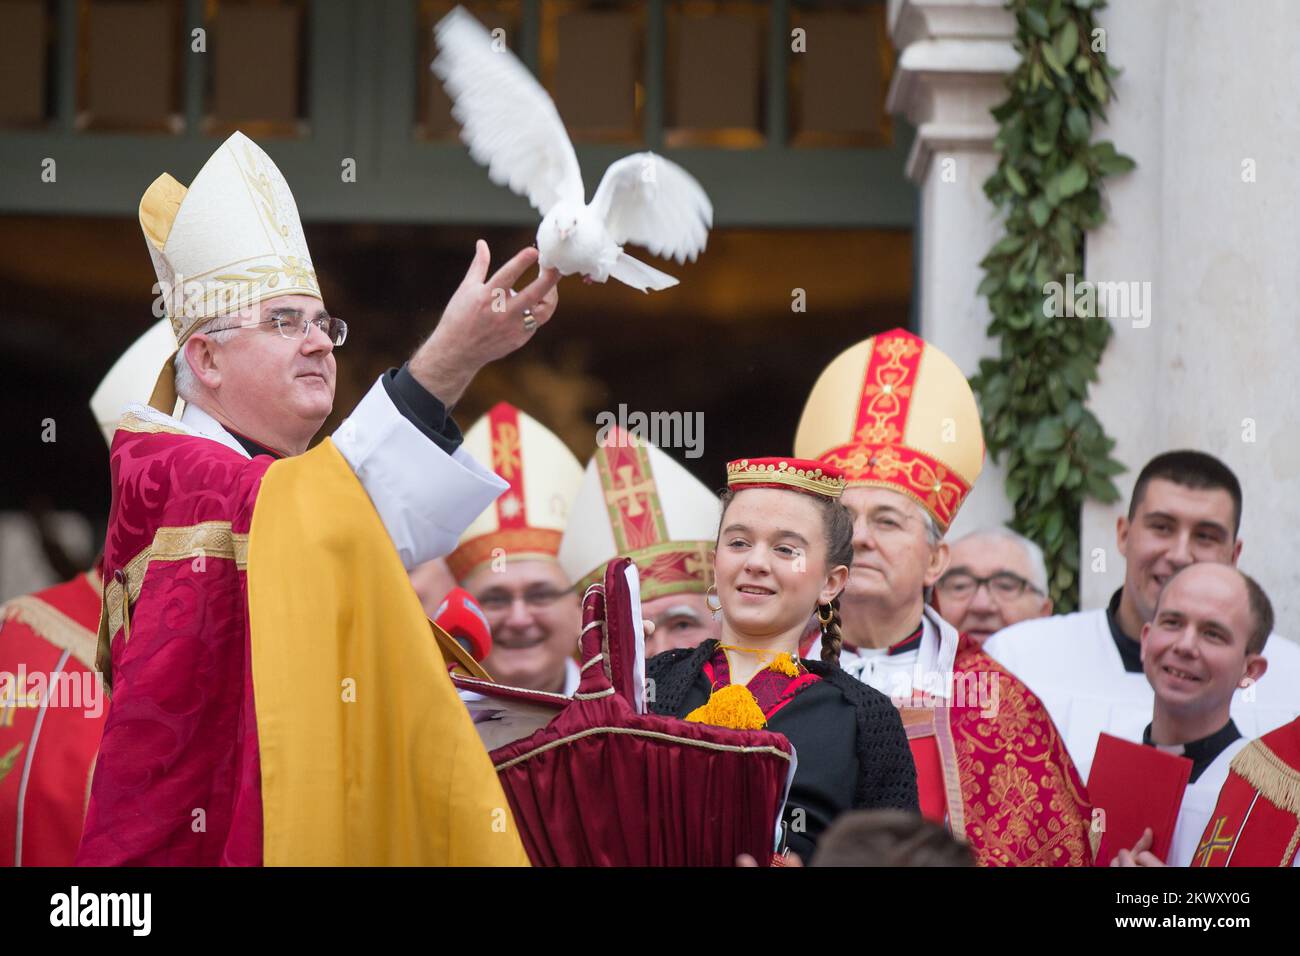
132 377
228 242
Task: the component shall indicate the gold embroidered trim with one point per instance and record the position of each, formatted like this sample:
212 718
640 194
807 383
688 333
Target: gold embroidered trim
1291 847
1270 775
744 472
595 660
652 734
951 773
132 422
208 539
696 559
53 625
600 693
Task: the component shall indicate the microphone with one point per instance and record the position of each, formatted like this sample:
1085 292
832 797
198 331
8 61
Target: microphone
461 617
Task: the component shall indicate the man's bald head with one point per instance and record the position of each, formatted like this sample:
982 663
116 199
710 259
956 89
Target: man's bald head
1204 575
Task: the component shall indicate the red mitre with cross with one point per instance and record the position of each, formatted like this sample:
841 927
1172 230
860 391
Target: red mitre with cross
636 502
895 412
527 521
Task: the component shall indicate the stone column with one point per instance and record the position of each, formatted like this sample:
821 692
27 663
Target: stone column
953 58
1207 226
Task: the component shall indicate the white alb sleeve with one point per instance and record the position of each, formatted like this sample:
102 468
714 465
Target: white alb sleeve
425 497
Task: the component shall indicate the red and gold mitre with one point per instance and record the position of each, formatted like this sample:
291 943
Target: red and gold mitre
895 412
795 474
527 521
637 502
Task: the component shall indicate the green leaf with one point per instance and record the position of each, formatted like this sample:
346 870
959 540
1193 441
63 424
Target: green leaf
1052 60
1039 211
1036 22
1055 525
1007 245
1115 164
1049 435
1016 181
1061 470
1072 180
1067 41
1097 86
1077 125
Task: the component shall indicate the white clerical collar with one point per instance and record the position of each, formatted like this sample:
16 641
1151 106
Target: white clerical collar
927 668
201 423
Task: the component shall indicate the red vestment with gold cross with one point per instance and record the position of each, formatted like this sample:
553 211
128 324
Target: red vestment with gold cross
1257 819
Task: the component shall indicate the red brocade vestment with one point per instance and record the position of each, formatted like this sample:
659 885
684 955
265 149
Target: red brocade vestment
184 787
1001 773
49 735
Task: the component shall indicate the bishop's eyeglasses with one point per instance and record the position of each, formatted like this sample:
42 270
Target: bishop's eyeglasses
294 324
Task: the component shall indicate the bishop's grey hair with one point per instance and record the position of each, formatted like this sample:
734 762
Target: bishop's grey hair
187 385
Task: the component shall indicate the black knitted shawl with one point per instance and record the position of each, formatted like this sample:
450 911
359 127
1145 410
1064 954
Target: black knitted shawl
886 773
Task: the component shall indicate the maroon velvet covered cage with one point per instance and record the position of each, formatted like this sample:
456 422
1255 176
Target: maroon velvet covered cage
604 785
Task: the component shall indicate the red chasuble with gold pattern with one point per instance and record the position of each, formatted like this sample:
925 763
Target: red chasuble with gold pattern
50 726
1000 774
185 790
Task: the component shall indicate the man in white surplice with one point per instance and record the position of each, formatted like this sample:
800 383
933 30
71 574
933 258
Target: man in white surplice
1086 667
1210 628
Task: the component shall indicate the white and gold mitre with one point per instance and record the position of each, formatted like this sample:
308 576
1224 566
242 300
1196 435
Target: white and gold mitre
132 376
636 502
229 241
527 521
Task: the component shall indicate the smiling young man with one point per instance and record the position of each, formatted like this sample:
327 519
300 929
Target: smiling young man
1206 639
263 643
1087 667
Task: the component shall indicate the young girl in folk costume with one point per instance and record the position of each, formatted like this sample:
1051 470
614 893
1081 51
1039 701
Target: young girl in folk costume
783 553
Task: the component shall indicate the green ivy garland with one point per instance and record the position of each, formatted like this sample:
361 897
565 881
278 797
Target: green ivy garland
1048 182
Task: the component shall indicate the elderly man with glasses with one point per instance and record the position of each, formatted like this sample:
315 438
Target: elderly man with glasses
276 695
995 578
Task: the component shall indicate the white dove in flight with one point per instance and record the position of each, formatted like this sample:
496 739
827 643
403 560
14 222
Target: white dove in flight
511 126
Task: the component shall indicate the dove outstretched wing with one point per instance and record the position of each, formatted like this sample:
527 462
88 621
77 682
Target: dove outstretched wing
649 200
507 119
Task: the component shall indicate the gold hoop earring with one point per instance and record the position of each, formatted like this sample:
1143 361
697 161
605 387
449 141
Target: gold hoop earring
713 591
830 615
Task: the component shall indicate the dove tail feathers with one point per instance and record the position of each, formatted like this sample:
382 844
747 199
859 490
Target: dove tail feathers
638 275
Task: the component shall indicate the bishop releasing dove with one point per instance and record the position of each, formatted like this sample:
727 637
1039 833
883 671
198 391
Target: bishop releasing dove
512 127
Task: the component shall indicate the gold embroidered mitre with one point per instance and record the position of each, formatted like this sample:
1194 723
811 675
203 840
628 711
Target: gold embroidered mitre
527 521
895 412
637 502
229 241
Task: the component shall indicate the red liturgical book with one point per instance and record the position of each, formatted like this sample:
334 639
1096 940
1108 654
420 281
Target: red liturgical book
1137 787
